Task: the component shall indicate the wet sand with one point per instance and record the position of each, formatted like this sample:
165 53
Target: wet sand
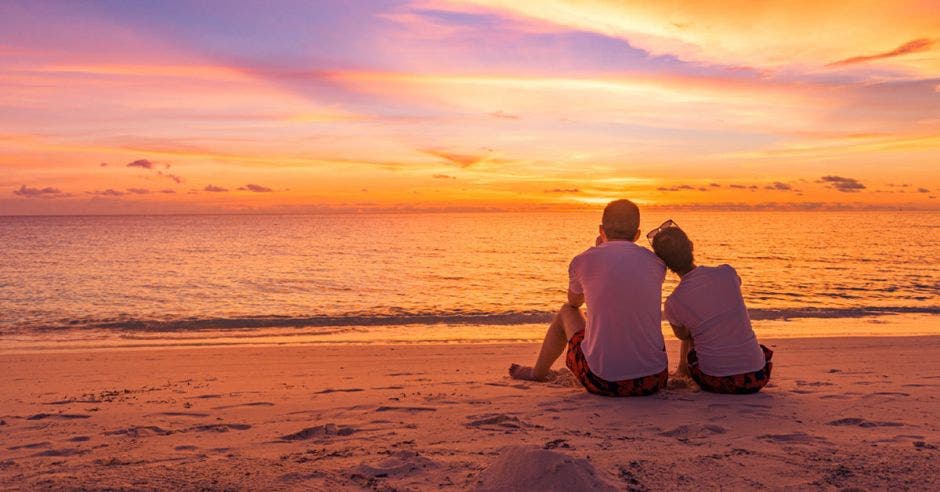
840 413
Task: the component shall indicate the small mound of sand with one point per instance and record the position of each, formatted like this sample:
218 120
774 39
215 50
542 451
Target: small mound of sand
534 468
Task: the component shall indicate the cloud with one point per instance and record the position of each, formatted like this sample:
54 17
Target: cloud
909 47
737 186
443 176
777 185
680 188
107 192
151 166
504 116
177 179
714 185
168 191
923 190
47 192
141 163
215 189
845 185
253 187
563 190
138 191
461 160
103 164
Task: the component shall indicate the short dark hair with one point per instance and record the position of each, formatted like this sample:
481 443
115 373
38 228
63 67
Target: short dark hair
621 220
673 246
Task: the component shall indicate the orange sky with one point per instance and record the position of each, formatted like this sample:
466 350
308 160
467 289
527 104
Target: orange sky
176 107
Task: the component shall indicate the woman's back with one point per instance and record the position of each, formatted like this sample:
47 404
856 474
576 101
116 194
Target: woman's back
708 302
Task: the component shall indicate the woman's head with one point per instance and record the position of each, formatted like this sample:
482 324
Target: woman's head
673 246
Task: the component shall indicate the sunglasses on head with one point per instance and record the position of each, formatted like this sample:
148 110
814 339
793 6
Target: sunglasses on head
665 225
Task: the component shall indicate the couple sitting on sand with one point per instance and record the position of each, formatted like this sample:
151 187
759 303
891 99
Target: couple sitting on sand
618 349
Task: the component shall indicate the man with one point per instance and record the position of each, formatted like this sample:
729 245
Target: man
619 349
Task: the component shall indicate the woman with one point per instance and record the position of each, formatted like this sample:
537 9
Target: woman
707 312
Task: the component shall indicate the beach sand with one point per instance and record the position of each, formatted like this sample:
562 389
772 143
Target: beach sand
840 413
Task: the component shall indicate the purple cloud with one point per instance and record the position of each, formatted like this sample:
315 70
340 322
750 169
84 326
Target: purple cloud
107 192
174 177
141 163
443 176
845 185
680 188
253 187
777 185
563 190
138 191
909 47
47 192
215 189
923 190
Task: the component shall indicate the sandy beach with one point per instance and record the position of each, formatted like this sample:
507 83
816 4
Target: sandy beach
840 413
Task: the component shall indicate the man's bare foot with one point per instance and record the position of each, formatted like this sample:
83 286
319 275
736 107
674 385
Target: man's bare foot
519 372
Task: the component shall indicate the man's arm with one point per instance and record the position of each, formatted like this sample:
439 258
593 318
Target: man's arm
681 332
575 300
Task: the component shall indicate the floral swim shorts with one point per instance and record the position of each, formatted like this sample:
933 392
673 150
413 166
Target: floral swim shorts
739 384
646 385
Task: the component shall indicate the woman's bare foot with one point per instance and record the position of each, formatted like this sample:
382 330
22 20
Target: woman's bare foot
527 373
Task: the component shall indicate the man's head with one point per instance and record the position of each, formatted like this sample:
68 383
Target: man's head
673 246
621 221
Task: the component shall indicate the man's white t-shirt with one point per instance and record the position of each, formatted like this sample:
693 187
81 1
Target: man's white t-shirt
622 285
709 303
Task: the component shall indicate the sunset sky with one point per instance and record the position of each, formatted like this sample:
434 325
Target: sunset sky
297 106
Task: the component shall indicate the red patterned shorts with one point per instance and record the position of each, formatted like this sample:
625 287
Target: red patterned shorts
739 384
646 385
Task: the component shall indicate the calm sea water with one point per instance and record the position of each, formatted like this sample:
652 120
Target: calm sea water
187 273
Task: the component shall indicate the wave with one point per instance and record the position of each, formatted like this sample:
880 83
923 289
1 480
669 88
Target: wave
434 318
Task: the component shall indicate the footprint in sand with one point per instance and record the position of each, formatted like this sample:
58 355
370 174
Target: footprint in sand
888 393
179 414
794 438
35 445
801 382
497 421
252 404
320 432
56 453
64 416
405 409
855 421
217 428
140 431
67 402
686 432
402 463
338 390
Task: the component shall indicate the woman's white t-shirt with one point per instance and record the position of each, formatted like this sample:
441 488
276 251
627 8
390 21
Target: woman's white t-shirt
709 303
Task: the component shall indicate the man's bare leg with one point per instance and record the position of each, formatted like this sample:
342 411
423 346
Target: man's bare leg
568 321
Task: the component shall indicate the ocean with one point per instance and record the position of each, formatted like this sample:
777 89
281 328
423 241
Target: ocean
454 276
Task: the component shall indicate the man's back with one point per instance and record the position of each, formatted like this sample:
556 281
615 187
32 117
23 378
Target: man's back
622 286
